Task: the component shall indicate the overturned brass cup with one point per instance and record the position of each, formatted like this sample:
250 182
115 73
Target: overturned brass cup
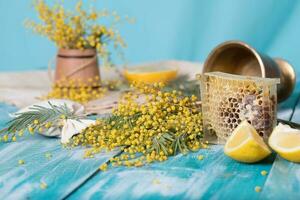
237 57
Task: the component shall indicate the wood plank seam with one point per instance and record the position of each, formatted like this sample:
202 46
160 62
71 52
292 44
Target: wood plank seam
278 158
90 177
294 107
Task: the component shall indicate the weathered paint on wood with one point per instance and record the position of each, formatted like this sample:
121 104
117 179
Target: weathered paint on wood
63 173
296 114
181 177
284 179
285 109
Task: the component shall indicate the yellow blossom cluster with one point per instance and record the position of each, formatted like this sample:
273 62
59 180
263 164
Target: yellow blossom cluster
35 126
78 29
78 90
82 91
166 123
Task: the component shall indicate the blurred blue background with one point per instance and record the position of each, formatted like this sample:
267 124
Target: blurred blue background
166 29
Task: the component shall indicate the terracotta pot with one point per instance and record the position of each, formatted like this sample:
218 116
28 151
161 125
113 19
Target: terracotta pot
76 65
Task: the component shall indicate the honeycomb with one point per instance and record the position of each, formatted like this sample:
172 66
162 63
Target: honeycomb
228 99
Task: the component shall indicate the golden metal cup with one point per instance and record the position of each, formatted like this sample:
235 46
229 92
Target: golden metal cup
237 57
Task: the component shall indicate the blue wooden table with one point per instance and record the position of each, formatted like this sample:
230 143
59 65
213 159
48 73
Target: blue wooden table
53 172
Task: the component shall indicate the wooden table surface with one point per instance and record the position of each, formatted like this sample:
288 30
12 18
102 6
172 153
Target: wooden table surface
69 176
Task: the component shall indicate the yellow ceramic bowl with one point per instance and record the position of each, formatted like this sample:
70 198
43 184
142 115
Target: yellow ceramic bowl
150 74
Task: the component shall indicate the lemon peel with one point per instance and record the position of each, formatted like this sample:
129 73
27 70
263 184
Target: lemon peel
286 142
245 145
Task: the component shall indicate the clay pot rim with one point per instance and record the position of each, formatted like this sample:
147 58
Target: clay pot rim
77 52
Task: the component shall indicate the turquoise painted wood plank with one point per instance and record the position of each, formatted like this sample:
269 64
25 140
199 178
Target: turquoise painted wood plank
4 113
62 174
285 109
181 177
296 115
283 181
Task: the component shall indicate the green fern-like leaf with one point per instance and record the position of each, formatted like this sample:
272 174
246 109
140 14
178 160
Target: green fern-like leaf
40 114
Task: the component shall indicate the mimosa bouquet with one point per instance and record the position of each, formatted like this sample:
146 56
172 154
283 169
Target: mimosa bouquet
79 36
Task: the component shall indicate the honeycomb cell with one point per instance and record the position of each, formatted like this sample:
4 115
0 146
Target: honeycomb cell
228 99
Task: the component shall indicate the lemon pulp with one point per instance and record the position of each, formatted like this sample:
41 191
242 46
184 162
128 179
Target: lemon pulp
286 142
245 145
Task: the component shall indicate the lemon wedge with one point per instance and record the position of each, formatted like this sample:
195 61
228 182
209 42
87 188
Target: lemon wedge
150 74
245 145
286 142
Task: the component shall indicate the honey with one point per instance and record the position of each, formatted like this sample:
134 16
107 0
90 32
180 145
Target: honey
228 99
